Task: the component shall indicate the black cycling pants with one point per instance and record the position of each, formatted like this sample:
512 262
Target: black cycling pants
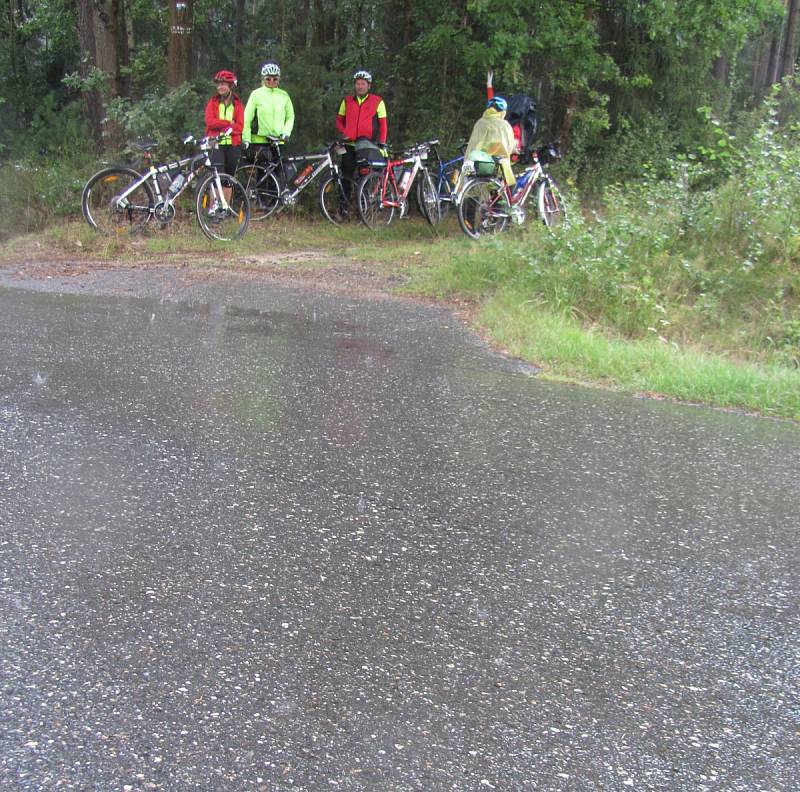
226 158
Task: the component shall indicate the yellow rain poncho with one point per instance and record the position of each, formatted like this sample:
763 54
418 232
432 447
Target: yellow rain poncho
493 134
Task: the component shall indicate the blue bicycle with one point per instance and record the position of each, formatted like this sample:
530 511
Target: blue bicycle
446 177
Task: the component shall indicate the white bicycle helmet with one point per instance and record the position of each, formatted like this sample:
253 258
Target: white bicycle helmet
270 69
362 74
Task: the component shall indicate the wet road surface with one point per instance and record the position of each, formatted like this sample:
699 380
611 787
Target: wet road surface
253 538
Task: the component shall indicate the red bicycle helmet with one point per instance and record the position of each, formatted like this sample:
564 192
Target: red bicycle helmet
225 76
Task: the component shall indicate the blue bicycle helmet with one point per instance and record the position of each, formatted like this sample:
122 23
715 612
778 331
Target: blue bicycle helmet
498 103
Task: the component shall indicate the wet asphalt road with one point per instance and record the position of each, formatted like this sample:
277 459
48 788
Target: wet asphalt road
254 538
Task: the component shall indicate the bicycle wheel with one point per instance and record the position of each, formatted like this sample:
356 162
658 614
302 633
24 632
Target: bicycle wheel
550 204
428 198
479 210
216 222
110 215
371 199
444 195
262 188
338 199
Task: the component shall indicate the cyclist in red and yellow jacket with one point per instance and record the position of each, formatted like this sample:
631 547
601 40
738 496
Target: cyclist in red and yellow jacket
225 111
362 115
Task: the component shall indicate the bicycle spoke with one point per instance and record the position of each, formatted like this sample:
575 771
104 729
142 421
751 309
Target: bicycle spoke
105 210
480 211
217 220
338 197
262 188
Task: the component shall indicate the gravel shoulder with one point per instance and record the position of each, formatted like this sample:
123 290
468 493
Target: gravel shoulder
299 269
40 265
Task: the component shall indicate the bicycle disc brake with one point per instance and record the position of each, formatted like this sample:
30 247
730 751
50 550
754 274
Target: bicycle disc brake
164 212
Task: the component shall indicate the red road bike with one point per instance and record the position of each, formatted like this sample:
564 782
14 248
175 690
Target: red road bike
488 205
383 192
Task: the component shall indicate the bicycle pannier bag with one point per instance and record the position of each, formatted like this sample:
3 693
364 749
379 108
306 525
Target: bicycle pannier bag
521 114
484 164
369 153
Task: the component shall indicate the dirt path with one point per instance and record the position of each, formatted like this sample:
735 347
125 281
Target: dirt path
31 260
42 264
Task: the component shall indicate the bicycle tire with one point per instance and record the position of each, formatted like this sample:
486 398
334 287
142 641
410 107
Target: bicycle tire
338 199
550 204
428 199
262 187
99 207
477 214
371 207
444 193
222 225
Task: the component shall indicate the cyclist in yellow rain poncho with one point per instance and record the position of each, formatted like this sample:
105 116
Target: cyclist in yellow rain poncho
493 135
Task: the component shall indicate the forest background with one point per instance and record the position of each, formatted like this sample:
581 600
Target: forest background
623 83
679 122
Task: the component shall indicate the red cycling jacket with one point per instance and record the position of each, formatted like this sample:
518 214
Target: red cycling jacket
216 125
363 119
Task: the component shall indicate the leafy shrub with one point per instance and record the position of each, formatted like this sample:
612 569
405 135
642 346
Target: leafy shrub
33 192
656 259
634 150
163 118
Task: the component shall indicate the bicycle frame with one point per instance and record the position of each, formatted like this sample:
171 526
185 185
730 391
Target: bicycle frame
534 174
413 157
488 203
165 200
446 189
289 194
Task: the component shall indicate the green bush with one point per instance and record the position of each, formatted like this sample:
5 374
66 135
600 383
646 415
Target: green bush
634 150
164 118
656 259
34 191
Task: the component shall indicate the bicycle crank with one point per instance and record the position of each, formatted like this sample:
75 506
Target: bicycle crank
164 212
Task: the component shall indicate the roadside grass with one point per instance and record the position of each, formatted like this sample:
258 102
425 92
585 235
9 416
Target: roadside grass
569 352
694 297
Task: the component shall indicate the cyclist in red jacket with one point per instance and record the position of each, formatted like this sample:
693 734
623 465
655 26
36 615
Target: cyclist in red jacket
362 115
225 111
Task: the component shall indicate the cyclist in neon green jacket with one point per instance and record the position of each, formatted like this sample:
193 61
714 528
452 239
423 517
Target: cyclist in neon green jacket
269 111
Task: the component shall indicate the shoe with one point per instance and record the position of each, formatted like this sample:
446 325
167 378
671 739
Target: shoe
215 209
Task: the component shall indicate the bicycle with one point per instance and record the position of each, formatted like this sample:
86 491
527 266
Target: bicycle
380 194
273 183
121 200
488 204
447 180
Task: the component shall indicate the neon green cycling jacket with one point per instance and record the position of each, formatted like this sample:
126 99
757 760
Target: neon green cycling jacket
273 111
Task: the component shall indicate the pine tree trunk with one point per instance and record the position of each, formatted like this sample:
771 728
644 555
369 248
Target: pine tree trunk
790 45
760 67
721 69
105 42
92 101
123 49
238 37
179 49
773 74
